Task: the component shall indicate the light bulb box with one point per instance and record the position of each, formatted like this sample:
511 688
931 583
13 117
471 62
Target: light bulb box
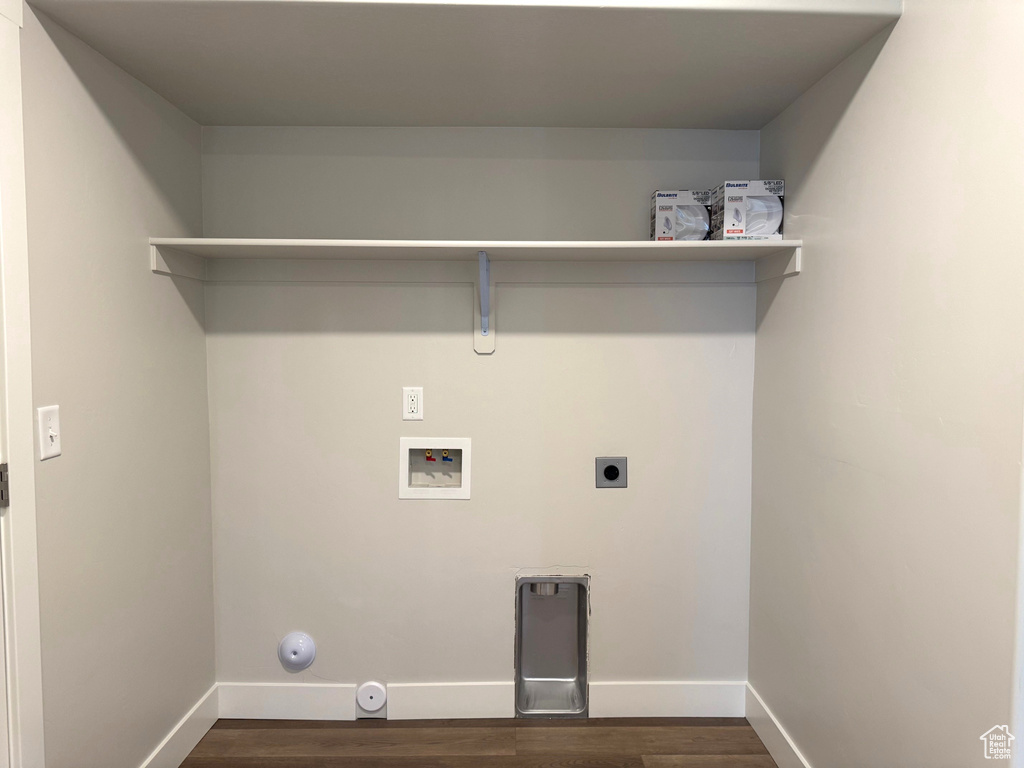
748 210
664 203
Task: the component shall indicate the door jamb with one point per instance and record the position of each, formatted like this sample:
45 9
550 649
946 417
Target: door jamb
18 522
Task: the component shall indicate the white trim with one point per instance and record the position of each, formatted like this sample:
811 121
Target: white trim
430 701
20 562
859 7
13 10
468 250
778 743
784 264
1017 704
287 701
183 738
168 261
667 698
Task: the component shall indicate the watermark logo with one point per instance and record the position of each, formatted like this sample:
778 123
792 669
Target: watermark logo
997 742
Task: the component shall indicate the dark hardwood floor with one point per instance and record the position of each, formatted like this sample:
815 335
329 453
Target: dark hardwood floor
627 743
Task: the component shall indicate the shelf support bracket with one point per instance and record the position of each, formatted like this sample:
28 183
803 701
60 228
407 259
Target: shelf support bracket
168 261
483 333
783 264
485 292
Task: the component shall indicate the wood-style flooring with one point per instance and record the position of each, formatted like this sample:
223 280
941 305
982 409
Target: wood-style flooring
627 743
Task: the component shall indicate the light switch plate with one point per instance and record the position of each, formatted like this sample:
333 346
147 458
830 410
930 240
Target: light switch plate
48 420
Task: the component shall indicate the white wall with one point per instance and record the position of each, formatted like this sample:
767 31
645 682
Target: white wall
888 399
305 398
456 183
125 566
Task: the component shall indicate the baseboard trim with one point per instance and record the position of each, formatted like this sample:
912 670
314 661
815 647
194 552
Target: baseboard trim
778 743
430 701
668 699
189 731
287 701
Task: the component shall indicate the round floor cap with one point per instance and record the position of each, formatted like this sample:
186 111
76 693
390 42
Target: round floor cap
371 696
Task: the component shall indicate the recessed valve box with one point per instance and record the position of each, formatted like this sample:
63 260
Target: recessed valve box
434 467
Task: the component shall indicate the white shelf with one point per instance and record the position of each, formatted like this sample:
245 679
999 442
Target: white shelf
466 250
199 258
361 261
731 64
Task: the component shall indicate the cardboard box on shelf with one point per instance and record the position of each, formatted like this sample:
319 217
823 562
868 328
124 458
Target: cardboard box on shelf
748 210
681 214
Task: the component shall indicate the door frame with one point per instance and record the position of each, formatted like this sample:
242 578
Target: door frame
18 558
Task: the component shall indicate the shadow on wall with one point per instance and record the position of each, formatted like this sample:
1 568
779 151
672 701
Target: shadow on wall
455 183
331 308
144 122
795 161
658 145
194 299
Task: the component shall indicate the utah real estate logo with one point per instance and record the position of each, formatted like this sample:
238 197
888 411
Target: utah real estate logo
997 742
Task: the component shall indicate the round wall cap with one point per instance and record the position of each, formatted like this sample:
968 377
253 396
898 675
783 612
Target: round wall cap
296 651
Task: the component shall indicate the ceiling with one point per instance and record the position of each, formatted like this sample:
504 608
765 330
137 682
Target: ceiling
682 64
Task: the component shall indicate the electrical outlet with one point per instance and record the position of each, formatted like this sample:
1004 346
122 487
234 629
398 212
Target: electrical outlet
610 472
412 403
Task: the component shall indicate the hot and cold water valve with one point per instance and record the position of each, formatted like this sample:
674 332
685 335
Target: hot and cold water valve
439 468
434 467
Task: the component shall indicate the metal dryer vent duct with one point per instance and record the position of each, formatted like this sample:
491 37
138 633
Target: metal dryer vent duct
546 588
552 617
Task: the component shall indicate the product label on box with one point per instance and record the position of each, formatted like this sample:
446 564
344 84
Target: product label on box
766 187
748 210
680 214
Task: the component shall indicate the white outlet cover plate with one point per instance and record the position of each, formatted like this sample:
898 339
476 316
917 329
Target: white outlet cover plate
408 414
48 421
406 444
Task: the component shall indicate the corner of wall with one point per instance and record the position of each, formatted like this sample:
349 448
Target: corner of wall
779 744
125 532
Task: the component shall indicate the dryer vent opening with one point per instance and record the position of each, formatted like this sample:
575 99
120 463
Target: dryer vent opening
551 646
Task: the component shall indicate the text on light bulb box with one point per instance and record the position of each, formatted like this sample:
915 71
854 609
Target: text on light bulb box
683 214
748 210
